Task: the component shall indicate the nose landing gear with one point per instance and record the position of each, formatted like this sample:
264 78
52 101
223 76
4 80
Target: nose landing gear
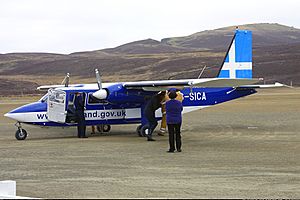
21 133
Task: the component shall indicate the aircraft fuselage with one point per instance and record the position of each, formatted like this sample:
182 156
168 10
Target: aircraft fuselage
124 106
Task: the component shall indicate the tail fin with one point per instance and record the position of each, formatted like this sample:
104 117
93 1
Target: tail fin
238 60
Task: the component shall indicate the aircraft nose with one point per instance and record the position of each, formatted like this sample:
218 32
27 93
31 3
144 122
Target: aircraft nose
11 116
18 114
27 112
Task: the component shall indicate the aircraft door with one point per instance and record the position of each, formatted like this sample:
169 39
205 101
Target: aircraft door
56 109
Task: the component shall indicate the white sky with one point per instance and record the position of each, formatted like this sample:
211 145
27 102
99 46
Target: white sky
66 26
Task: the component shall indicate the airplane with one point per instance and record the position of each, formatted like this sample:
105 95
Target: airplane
124 102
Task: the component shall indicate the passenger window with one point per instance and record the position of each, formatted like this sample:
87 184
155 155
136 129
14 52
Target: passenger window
71 99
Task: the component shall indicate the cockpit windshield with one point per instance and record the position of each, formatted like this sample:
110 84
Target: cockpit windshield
44 98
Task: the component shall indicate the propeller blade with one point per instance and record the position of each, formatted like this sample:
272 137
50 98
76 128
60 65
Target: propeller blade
66 80
98 79
101 93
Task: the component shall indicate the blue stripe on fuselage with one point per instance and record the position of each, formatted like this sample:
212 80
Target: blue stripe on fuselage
212 96
90 122
32 107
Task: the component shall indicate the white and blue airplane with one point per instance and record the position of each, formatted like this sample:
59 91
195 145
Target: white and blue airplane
123 103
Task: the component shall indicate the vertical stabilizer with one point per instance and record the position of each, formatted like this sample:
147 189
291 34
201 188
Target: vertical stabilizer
238 60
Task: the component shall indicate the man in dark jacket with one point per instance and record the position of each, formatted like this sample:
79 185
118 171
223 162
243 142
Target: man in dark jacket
174 119
153 104
79 113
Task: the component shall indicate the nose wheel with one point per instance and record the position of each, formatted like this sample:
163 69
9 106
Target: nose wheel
21 133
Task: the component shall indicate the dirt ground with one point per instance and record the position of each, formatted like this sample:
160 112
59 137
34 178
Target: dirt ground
247 148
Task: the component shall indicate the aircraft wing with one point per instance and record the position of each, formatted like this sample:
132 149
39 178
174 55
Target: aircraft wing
179 84
47 87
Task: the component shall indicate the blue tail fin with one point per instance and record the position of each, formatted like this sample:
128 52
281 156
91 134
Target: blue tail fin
238 60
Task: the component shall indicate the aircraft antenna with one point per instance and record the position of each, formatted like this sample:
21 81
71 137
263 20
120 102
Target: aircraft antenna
201 71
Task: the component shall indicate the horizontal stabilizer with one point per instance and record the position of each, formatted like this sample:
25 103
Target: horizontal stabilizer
265 86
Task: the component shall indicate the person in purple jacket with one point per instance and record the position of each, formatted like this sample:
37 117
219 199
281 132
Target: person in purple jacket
174 120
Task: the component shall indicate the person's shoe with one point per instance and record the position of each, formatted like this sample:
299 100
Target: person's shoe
160 134
170 151
84 137
179 150
150 139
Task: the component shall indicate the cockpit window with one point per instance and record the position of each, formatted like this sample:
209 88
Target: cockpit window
57 96
44 98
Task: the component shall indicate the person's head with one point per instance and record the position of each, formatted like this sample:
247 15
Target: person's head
172 95
172 90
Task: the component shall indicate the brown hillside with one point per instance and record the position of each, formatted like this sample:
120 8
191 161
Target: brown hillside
263 35
276 55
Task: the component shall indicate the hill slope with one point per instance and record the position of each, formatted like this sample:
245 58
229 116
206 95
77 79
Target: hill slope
263 35
276 55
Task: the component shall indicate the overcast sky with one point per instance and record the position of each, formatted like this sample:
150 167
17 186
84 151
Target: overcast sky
65 26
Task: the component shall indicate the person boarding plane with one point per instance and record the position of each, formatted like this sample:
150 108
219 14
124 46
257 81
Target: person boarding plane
123 103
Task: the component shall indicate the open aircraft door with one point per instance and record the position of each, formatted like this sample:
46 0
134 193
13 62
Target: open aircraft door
56 109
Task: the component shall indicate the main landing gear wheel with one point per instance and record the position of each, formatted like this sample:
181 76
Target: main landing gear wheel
145 130
103 128
21 134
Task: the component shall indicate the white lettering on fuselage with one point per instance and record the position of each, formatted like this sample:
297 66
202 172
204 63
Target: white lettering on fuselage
197 96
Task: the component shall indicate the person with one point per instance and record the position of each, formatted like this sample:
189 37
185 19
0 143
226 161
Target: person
153 104
93 130
174 119
79 113
163 124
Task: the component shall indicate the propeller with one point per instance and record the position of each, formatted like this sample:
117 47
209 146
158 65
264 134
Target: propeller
101 93
98 78
66 80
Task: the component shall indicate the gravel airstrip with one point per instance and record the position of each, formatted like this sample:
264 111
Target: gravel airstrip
247 148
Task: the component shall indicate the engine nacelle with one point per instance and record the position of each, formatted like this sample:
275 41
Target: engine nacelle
101 94
117 94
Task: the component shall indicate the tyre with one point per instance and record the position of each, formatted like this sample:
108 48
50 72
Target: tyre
103 128
145 130
100 128
21 135
106 128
